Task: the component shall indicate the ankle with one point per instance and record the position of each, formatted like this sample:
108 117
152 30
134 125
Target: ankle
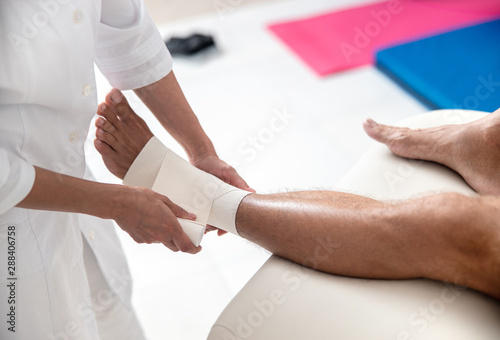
490 133
451 144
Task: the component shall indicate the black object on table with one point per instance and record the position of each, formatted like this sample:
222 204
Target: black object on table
190 45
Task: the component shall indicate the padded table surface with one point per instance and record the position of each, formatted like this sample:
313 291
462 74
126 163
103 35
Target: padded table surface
287 301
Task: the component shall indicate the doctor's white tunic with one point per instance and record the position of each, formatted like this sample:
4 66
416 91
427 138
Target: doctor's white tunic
47 99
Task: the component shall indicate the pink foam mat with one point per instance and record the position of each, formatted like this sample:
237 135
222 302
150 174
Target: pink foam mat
348 38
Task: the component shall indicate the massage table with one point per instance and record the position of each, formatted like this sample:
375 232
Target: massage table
284 300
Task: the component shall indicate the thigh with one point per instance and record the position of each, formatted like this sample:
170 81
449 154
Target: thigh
114 319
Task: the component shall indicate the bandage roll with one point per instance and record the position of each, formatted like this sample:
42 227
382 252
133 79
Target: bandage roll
193 230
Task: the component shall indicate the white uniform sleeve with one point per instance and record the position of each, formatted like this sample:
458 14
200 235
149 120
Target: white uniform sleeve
130 51
16 180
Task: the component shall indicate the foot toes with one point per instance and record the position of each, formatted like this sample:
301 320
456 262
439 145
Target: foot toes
373 130
384 133
106 112
104 149
129 121
105 125
122 131
119 103
106 137
402 141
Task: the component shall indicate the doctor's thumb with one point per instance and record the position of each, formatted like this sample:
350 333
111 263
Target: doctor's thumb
178 211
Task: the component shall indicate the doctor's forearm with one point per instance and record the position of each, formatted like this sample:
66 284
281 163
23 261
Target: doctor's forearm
147 216
57 192
168 103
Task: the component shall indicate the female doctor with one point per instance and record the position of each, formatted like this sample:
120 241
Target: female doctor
63 274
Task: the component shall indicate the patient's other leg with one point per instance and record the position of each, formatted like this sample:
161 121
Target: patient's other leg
447 237
472 150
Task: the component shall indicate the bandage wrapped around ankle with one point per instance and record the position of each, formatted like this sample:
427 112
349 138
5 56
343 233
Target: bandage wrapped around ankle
213 201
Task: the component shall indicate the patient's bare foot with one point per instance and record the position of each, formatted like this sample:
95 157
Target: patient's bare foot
120 135
472 150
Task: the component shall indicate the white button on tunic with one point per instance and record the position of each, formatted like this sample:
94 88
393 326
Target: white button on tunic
77 16
73 137
47 100
86 90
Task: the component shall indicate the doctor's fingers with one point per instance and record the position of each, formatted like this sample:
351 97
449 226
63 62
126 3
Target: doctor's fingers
174 237
137 237
149 239
174 240
185 245
234 178
179 237
182 241
171 245
177 210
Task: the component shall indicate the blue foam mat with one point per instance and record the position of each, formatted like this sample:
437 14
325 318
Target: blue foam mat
458 69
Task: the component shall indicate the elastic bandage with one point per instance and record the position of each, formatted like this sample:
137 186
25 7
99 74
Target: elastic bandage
213 201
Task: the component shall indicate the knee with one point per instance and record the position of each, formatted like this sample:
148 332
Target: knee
480 249
472 228
463 234
488 229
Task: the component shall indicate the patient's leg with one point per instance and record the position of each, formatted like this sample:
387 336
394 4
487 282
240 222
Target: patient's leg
472 150
445 237
122 136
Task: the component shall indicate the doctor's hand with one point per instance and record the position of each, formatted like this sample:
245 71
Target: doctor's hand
217 167
149 217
